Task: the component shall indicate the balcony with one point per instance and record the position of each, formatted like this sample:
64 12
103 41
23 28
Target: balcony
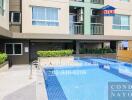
97 29
97 1
77 0
76 20
97 23
76 28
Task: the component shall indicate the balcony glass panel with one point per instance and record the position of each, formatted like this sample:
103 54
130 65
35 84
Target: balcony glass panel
97 29
76 28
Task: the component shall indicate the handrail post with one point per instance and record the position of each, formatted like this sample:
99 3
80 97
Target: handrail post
36 64
30 76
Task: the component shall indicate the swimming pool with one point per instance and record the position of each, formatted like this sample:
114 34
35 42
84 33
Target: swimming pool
80 83
116 67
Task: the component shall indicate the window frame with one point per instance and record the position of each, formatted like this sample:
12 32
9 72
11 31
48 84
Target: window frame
120 25
39 20
13 44
12 16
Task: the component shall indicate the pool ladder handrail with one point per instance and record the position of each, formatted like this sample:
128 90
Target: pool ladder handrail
36 64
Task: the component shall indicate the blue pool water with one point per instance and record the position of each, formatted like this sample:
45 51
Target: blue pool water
81 83
113 64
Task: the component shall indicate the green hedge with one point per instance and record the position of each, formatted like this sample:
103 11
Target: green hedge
55 53
97 51
3 57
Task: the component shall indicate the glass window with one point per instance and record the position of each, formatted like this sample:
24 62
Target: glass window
17 48
116 20
1 3
13 48
1 7
45 16
125 23
121 22
9 48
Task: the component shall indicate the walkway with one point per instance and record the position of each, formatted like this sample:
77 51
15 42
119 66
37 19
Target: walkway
16 85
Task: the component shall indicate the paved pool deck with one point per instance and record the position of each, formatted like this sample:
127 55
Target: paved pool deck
16 85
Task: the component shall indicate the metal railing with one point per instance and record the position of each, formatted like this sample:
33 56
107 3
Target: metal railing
97 1
76 29
36 65
97 29
77 0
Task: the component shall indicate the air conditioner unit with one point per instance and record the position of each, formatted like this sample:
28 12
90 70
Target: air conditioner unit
15 17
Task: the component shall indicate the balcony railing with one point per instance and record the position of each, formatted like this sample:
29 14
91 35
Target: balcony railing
97 1
77 0
76 29
97 29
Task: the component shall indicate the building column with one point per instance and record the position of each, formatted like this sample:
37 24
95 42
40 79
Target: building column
77 47
87 18
118 45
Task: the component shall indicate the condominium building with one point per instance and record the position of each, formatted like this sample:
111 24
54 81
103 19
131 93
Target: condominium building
27 26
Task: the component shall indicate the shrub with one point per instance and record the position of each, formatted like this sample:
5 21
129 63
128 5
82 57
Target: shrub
97 51
55 53
3 57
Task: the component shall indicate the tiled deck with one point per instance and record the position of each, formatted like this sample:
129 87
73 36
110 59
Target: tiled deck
16 85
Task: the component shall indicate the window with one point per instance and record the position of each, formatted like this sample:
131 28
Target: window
17 49
13 48
121 22
9 48
1 7
45 16
15 17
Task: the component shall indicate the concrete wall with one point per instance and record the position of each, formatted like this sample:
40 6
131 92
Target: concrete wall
15 5
63 27
15 28
124 8
4 19
16 59
21 59
4 66
130 45
56 61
